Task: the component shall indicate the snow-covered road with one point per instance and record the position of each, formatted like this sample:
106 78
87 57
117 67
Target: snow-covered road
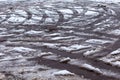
60 38
114 1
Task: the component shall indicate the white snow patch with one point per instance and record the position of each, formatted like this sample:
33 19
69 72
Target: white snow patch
36 17
115 52
49 20
65 27
88 66
65 59
115 32
58 38
3 29
64 0
55 34
1 54
51 45
91 13
11 0
2 17
87 53
15 18
35 11
31 22
114 1
66 11
22 49
79 10
19 30
2 76
98 41
112 59
46 53
63 73
75 47
22 12
33 32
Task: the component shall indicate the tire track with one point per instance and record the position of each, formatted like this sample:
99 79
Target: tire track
94 62
75 69
63 19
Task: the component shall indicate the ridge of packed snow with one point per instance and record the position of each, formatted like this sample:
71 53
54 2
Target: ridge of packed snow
63 73
22 49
